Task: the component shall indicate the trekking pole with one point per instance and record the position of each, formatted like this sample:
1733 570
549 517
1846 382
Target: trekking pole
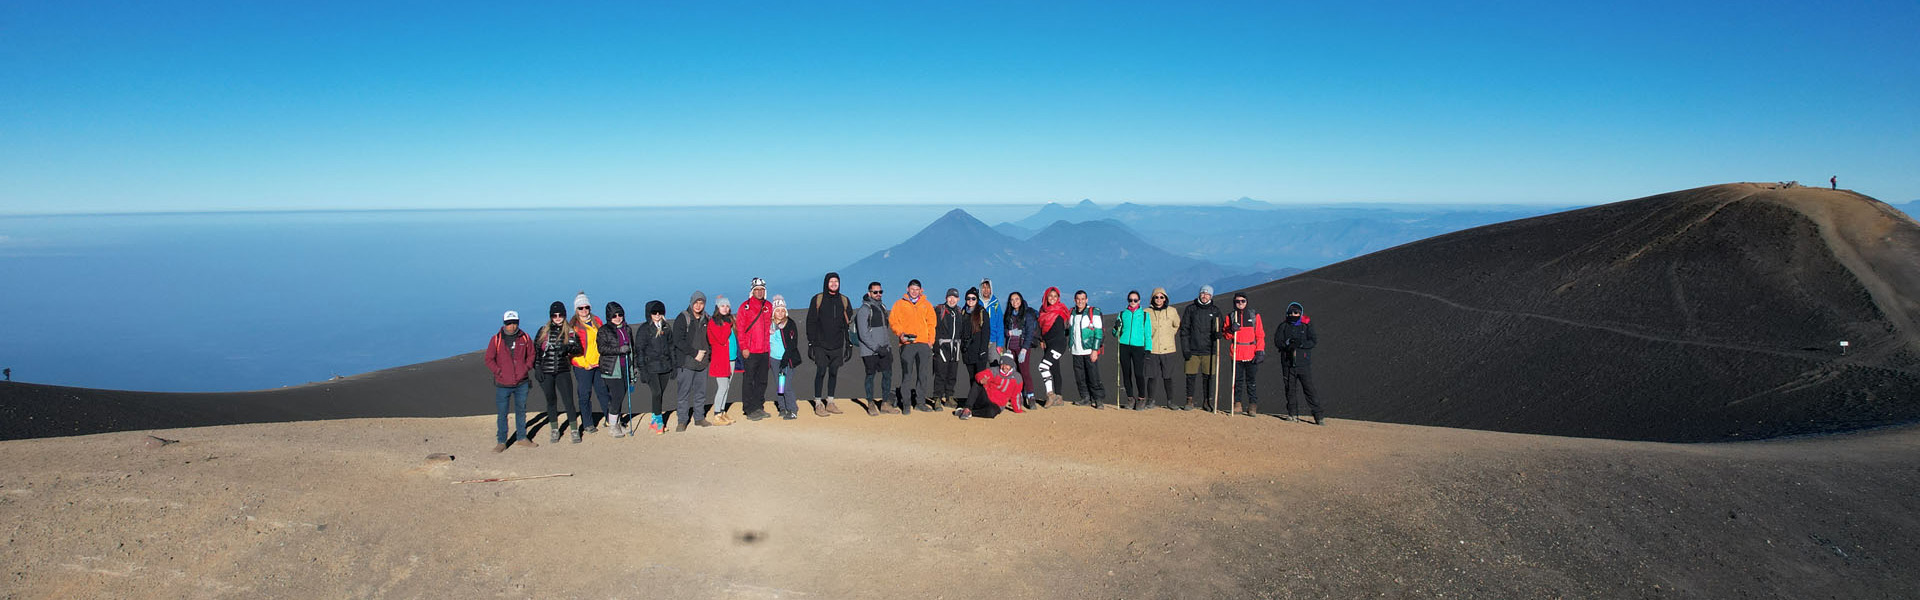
1233 364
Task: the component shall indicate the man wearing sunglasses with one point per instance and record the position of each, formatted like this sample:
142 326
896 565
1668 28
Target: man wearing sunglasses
876 348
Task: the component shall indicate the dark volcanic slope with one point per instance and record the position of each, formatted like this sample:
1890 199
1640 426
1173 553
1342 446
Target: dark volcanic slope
1701 315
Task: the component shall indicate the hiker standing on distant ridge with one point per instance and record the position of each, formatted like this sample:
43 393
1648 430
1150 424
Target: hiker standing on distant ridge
1084 336
653 359
1834 181
690 357
949 341
756 317
1199 335
1296 340
1054 327
556 345
783 344
1135 337
586 327
1163 359
726 352
1021 325
510 358
616 366
1247 335
829 322
875 339
913 320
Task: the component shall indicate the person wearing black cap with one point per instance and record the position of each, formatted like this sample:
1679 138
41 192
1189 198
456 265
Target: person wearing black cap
616 366
949 334
1296 341
653 361
510 357
553 347
829 323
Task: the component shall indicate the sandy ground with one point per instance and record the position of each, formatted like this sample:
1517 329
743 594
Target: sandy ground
1062 503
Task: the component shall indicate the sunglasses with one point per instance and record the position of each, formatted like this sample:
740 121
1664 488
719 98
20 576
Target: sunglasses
1239 302
583 308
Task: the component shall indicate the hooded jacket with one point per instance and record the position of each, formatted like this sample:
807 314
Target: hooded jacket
1165 322
1295 340
616 345
913 318
690 336
725 347
510 357
1003 389
975 335
653 345
1199 329
829 316
1020 327
996 323
1130 328
1247 331
876 336
755 323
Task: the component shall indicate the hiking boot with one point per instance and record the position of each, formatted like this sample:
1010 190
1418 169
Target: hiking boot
499 447
554 436
1253 410
757 414
576 436
615 429
887 409
872 408
525 443
681 427
1319 421
1288 417
820 408
831 408
721 419
964 414
592 429
1096 405
788 416
700 422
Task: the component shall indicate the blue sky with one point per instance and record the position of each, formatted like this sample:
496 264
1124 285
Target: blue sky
160 106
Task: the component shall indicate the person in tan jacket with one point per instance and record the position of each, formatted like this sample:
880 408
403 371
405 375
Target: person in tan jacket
1164 364
913 321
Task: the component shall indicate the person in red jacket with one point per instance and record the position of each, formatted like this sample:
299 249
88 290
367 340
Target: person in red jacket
510 358
753 331
996 388
726 349
1248 333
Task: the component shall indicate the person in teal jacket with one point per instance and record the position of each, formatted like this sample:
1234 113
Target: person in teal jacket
1135 336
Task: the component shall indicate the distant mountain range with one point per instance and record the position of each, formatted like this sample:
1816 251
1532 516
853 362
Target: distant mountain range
1258 235
1104 257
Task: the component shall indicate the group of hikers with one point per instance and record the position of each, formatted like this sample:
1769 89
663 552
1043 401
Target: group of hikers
1014 354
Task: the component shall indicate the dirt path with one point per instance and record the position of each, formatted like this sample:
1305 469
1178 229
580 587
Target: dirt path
1061 503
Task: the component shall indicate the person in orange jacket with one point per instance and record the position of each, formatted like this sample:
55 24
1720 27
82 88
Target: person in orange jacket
913 321
1248 333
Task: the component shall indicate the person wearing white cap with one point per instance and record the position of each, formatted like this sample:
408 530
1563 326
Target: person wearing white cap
510 358
756 318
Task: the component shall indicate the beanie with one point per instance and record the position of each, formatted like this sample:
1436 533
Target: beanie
614 310
558 309
581 300
656 307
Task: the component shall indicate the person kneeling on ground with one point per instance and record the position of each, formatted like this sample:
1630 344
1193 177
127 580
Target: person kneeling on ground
510 357
997 388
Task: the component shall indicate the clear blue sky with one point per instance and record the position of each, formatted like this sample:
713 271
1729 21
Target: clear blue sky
139 106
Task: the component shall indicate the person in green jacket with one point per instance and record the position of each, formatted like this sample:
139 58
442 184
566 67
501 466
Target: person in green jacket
1135 337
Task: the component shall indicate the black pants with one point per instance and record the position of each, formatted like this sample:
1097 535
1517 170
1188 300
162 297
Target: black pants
657 382
753 393
1243 386
1133 370
1165 369
558 388
882 365
826 371
1086 378
1200 389
1305 379
978 403
944 372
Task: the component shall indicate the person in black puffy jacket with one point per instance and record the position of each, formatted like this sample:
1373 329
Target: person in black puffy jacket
616 366
653 348
554 346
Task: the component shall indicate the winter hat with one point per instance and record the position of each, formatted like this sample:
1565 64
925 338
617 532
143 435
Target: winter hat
759 283
953 292
1206 289
557 309
581 300
779 301
975 292
614 310
720 300
656 307
1238 296
1006 358
696 298
1295 308
510 317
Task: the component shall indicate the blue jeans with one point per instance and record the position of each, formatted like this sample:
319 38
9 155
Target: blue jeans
519 395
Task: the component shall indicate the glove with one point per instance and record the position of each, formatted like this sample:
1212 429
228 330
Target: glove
1259 356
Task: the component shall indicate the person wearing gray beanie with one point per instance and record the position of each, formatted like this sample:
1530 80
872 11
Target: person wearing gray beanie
998 389
689 333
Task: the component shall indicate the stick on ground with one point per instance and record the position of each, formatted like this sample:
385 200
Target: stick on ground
500 479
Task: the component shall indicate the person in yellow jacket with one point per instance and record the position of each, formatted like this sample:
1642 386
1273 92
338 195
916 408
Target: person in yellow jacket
1164 364
586 366
914 322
